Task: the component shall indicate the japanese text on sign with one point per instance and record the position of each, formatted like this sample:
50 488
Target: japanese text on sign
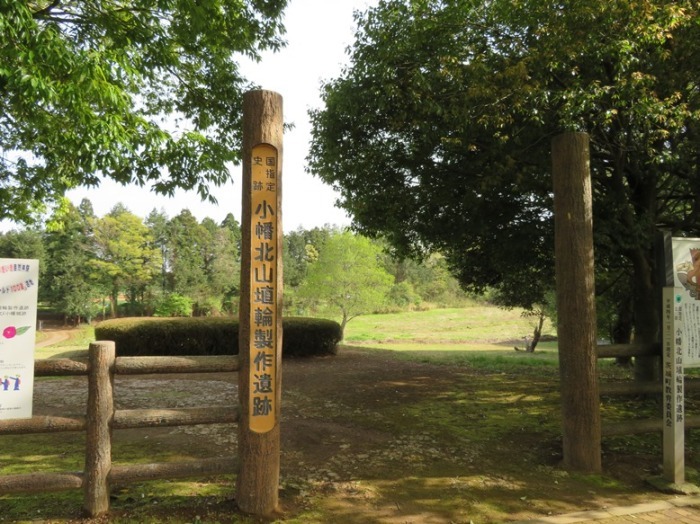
18 305
263 288
686 275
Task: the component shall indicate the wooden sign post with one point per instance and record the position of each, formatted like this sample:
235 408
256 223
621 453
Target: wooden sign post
674 333
681 348
260 317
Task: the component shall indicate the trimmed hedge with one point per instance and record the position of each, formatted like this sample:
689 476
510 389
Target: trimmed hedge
153 336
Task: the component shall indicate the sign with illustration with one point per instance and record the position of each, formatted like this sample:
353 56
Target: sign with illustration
19 282
263 289
686 277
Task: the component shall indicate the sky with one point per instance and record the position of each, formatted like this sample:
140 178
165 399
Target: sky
318 33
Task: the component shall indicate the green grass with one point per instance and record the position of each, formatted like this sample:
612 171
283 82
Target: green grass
478 325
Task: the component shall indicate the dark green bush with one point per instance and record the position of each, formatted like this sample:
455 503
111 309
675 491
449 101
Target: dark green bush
304 336
212 336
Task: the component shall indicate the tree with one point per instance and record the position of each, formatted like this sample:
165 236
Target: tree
438 133
146 92
186 239
301 247
222 265
68 280
429 278
126 258
25 243
157 223
347 277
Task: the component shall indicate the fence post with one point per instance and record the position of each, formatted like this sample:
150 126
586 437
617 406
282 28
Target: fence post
260 330
100 413
576 317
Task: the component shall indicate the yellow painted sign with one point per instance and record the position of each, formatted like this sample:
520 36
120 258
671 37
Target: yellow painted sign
263 288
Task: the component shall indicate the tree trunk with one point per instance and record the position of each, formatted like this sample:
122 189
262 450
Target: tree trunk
647 300
573 219
537 334
113 298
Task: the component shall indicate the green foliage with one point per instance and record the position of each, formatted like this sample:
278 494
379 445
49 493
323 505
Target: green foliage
347 277
185 239
305 337
430 280
95 88
438 133
302 248
68 283
172 336
26 243
125 258
174 305
85 260
212 336
403 295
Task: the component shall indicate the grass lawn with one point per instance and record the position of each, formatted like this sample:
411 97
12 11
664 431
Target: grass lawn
476 324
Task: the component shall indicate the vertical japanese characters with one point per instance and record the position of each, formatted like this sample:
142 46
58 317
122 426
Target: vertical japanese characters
263 286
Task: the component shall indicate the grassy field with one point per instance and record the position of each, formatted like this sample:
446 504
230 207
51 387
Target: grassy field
478 326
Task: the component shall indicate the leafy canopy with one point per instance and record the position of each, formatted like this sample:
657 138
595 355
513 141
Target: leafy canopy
437 134
147 91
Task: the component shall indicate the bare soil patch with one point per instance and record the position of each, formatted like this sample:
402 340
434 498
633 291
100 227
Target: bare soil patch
369 437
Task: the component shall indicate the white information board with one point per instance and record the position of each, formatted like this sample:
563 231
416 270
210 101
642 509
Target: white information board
19 283
686 277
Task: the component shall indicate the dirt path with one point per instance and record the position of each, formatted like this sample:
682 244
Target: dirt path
54 336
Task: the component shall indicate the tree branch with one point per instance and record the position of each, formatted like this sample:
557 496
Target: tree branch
45 10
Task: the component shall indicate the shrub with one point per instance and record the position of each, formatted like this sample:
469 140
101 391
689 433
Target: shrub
174 305
403 295
303 336
212 336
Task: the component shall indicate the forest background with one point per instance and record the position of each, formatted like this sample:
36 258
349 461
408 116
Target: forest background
122 265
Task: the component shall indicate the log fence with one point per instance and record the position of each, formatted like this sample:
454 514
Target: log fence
622 388
101 418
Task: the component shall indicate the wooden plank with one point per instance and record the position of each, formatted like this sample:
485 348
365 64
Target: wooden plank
628 350
125 474
39 482
60 367
186 364
147 418
42 424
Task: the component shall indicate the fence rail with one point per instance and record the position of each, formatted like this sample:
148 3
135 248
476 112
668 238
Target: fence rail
637 426
628 350
101 418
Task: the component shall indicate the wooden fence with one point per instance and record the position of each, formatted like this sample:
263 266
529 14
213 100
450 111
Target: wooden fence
101 418
629 387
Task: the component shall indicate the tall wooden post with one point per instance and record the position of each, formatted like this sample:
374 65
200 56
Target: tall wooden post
573 245
100 413
260 335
